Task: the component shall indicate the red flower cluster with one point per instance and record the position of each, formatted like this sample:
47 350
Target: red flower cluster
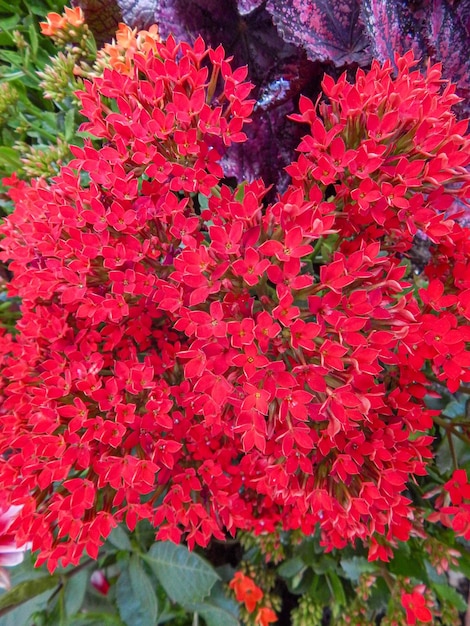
191 356
453 505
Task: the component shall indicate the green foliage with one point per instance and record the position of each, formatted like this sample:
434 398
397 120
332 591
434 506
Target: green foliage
34 130
186 577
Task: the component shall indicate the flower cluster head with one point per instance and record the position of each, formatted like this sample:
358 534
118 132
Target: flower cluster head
190 355
66 29
120 53
453 505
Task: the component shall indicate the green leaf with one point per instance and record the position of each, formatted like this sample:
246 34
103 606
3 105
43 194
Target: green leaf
143 589
9 159
33 38
135 596
120 539
26 590
95 619
69 125
355 566
455 408
449 595
218 609
186 577
291 567
8 24
11 57
203 201
75 590
214 615
336 588
407 563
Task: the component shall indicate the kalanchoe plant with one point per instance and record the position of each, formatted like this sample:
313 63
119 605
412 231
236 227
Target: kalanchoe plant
190 356
193 355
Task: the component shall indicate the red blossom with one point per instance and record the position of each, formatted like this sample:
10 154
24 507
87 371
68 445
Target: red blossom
415 606
256 365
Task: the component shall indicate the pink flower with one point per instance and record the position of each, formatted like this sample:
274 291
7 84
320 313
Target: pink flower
10 553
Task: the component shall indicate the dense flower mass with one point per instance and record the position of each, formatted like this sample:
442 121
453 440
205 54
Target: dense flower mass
192 356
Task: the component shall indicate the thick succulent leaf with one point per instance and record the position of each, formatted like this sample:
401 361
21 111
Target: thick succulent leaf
392 28
102 16
329 30
451 41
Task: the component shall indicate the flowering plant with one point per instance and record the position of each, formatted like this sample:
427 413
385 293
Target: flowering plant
193 356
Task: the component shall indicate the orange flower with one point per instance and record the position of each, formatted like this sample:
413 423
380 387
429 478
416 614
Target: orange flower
120 53
265 617
56 22
246 591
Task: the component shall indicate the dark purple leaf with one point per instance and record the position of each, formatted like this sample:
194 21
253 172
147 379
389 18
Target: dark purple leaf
272 139
450 44
139 13
392 28
102 16
247 6
329 30
463 11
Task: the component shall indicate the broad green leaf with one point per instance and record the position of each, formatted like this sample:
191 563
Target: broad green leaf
186 577
214 615
450 595
22 614
120 539
135 597
291 567
143 589
75 590
26 590
218 609
355 566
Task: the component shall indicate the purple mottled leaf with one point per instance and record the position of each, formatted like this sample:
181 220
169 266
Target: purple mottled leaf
272 139
247 6
102 17
450 41
463 11
139 13
329 30
392 28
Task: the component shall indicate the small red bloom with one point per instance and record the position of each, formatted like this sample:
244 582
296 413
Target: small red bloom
246 591
415 606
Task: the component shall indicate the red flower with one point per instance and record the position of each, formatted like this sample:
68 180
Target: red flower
246 591
265 616
415 606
